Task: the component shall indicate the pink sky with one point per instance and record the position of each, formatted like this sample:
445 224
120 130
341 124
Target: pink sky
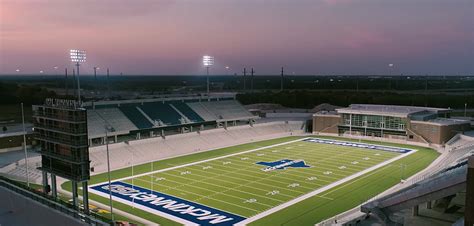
305 36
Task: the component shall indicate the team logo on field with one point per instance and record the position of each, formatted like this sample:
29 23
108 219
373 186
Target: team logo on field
283 164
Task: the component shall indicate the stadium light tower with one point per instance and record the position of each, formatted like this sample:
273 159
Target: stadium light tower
390 66
78 57
207 61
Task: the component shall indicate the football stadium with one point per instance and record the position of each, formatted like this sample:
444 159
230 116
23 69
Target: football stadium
209 160
237 112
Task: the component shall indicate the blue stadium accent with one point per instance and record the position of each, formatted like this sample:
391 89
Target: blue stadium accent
186 110
283 164
163 112
358 145
135 116
177 207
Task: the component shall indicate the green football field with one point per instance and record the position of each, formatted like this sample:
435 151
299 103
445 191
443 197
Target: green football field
240 184
229 179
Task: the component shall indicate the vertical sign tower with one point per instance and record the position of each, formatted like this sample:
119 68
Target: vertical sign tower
60 127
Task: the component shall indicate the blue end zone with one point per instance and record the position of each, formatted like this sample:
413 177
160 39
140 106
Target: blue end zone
190 211
358 145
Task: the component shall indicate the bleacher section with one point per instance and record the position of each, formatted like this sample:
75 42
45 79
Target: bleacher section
221 110
161 113
153 149
154 113
99 119
186 110
202 111
136 116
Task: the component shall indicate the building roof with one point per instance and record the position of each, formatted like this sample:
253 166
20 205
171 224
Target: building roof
444 121
388 110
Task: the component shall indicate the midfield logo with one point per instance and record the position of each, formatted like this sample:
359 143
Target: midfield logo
283 164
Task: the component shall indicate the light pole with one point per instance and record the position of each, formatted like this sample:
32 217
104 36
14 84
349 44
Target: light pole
281 82
252 72
107 128
78 57
207 61
24 145
245 80
95 80
390 66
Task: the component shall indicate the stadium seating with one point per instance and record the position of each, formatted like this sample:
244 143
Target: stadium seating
153 149
136 116
202 111
228 109
98 119
161 112
186 110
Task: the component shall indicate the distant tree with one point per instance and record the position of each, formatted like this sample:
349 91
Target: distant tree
4 129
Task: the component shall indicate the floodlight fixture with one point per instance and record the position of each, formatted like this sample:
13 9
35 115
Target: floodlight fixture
390 69
78 56
207 60
17 70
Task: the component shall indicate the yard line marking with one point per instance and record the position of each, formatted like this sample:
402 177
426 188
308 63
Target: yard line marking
202 181
219 200
320 190
207 160
231 182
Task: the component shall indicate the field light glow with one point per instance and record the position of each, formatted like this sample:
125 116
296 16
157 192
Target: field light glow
78 56
207 60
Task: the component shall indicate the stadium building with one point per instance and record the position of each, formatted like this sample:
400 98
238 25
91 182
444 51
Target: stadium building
416 124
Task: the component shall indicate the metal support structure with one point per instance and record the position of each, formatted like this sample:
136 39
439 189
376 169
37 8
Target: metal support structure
207 81
85 197
65 82
24 145
75 201
251 79
108 86
245 75
108 176
54 190
78 83
415 211
281 82
45 181
95 81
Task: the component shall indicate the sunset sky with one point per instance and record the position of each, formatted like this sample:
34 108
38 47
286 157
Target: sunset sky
305 36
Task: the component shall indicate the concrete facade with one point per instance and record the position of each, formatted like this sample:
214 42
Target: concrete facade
436 133
414 124
326 123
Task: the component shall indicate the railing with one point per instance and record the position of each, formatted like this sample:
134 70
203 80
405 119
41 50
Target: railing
73 131
73 142
73 119
59 205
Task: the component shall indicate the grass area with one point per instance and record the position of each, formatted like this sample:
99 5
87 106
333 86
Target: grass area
353 193
307 212
236 184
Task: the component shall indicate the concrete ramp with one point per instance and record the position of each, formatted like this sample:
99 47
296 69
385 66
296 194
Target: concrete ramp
448 182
